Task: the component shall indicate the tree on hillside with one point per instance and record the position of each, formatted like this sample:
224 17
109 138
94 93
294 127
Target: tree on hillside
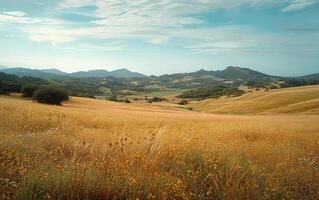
7 88
28 90
4 89
50 94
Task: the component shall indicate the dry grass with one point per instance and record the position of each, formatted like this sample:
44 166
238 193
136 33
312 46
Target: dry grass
303 100
90 149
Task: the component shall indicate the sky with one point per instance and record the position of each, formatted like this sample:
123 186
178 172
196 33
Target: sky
279 37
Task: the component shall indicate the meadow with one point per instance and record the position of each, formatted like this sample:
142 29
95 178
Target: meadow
280 101
95 149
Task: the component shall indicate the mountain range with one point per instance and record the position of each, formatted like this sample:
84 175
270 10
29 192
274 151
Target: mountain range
230 73
60 75
122 82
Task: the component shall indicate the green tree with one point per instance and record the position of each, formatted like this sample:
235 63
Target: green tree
50 94
28 90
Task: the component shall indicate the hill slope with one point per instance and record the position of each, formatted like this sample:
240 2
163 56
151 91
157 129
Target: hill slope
292 100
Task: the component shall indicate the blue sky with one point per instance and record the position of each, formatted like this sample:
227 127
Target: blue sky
161 36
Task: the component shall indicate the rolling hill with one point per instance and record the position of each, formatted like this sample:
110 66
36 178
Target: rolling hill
289 100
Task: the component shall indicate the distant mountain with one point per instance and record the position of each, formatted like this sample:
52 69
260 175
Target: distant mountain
125 73
203 78
105 83
230 73
192 79
32 72
311 77
54 71
240 73
120 73
90 74
2 67
59 75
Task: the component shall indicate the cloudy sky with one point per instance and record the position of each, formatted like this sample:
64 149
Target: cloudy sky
279 37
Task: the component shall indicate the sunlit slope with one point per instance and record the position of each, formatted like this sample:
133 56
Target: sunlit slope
291 100
94 149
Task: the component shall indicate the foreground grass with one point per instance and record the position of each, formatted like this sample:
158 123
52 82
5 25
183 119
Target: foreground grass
91 149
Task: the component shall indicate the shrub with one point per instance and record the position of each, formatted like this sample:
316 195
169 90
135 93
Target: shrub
4 89
28 90
7 88
113 98
158 99
183 102
215 91
50 95
127 101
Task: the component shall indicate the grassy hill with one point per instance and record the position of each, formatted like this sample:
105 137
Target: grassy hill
290 100
95 149
105 150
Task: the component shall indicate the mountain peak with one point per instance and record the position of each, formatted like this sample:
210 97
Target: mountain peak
236 68
232 72
122 70
54 71
97 70
125 73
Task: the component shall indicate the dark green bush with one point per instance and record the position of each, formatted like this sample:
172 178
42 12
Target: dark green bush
211 92
113 98
50 94
4 89
183 102
158 99
28 90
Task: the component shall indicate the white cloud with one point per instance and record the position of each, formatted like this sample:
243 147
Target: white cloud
298 5
22 18
106 47
156 22
55 35
15 13
16 17
212 46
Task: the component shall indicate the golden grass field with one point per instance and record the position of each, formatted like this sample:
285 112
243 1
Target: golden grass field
94 149
292 100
